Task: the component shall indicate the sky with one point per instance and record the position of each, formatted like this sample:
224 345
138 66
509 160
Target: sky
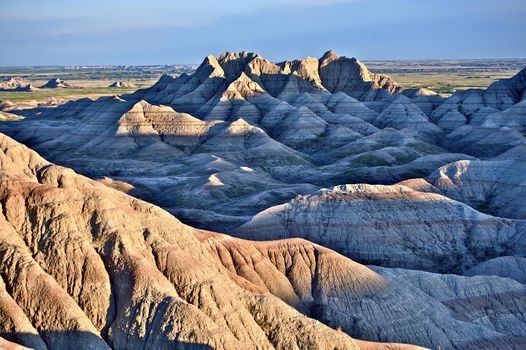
135 32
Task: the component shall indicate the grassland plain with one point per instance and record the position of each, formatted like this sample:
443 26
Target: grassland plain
442 76
69 94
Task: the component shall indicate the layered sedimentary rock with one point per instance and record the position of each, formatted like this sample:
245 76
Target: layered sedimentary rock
496 187
15 84
143 280
246 134
267 151
88 267
392 226
441 311
513 267
56 83
487 122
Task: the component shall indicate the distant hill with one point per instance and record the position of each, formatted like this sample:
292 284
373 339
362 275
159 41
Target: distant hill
121 84
15 84
56 83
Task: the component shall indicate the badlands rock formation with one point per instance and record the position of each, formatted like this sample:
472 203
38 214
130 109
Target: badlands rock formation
497 187
87 267
392 226
15 84
143 280
441 311
6 116
121 84
56 83
427 191
505 266
244 134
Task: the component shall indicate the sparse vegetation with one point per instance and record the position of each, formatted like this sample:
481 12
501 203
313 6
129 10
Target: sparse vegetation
66 94
90 82
447 76
367 160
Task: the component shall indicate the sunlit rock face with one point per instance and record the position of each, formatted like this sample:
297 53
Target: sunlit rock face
56 83
413 203
16 84
85 266
393 226
513 267
244 134
492 186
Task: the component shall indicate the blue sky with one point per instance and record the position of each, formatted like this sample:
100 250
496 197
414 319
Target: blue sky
63 32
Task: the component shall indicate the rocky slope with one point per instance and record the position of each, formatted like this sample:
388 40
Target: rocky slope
56 83
492 186
143 280
505 266
382 304
15 84
246 133
139 279
392 226
267 151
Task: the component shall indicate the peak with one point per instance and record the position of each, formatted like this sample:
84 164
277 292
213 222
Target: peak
233 63
245 86
240 122
166 77
243 77
330 55
139 105
210 68
210 60
521 73
231 56
56 82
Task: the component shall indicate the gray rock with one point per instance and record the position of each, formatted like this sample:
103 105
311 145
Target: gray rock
505 266
392 226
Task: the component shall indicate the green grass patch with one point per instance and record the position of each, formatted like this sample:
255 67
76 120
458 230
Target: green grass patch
68 94
368 160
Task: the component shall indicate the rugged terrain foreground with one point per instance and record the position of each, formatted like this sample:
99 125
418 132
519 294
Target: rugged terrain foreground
334 209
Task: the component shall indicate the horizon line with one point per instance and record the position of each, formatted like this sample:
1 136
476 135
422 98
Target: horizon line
278 61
